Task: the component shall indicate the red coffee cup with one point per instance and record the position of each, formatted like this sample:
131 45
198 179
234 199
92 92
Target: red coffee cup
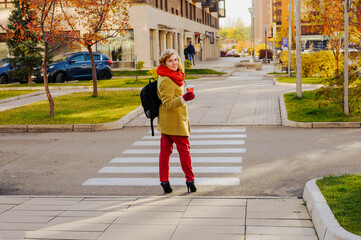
190 88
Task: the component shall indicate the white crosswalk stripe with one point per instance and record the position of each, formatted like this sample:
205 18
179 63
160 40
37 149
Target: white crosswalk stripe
214 151
171 169
194 143
176 160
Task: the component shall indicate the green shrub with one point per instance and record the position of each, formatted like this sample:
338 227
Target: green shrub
153 73
139 65
187 65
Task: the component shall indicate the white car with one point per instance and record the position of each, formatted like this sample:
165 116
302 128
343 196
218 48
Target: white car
233 53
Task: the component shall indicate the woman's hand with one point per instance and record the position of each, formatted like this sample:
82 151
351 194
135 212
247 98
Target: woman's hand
189 96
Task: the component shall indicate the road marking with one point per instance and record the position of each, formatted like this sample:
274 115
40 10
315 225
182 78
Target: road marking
143 169
213 130
176 160
155 181
194 143
200 136
202 150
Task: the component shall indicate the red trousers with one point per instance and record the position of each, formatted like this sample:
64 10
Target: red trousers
166 149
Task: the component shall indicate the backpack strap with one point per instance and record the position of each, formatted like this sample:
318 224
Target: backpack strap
151 126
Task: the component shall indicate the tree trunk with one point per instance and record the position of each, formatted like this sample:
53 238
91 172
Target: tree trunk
45 76
30 81
94 71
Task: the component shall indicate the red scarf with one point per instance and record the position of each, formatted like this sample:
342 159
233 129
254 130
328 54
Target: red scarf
176 76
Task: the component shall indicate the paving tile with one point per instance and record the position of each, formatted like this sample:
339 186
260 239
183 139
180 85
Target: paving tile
135 232
62 235
162 201
75 226
292 231
215 212
276 204
53 201
5 234
12 200
29 207
278 237
215 202
157 208
90 213
100 206
208 232
20 226
212 222
139 214
278 215
147 221
83 220
32 213
4 208
25 219
279 222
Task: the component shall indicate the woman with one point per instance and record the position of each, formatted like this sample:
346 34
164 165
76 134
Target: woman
173 120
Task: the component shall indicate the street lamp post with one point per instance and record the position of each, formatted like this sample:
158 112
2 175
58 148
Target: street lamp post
345 86
289 37
265 40
251 11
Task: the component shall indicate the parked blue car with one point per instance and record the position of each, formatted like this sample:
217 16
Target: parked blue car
77 66
5 72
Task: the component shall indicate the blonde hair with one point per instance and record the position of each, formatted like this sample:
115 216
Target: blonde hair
167 54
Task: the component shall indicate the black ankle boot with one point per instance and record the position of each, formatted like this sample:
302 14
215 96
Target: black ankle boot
190 185
166 187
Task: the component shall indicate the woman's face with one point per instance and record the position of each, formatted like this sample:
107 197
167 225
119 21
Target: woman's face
172 62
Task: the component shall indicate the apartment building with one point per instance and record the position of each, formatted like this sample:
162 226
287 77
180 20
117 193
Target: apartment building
156 25
263 16
310 37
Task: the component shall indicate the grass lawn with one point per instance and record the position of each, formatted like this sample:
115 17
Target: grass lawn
13 93
343 195
308 110
306 80
110 83
75 108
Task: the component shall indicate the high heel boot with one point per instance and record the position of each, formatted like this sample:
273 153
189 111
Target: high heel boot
166 187
191 186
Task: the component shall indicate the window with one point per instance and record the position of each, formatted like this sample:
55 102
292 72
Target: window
181 2
166 5
161 4
78 58
6 4
119 48
186 5
156 3
190 11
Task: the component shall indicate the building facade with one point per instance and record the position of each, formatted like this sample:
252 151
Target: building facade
156 25
311 38
263 16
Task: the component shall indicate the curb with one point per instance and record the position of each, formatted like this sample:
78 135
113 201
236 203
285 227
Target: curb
73 127
324 221
288 123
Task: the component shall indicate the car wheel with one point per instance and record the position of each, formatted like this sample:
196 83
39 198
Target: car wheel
104 75
60 78
4 79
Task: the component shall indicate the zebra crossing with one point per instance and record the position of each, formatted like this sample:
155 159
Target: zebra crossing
217 156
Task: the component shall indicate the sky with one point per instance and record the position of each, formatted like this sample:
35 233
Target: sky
237 9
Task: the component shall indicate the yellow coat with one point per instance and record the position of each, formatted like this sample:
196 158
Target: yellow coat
173 114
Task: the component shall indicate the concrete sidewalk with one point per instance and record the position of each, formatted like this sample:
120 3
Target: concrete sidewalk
151 218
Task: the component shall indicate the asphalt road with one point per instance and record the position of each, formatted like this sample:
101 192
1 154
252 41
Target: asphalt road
277 161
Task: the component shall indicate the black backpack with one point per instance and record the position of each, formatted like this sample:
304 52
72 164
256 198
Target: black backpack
150 101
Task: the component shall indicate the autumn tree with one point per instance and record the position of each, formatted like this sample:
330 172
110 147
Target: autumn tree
50 31
236 30
100 21
27 59
327 18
